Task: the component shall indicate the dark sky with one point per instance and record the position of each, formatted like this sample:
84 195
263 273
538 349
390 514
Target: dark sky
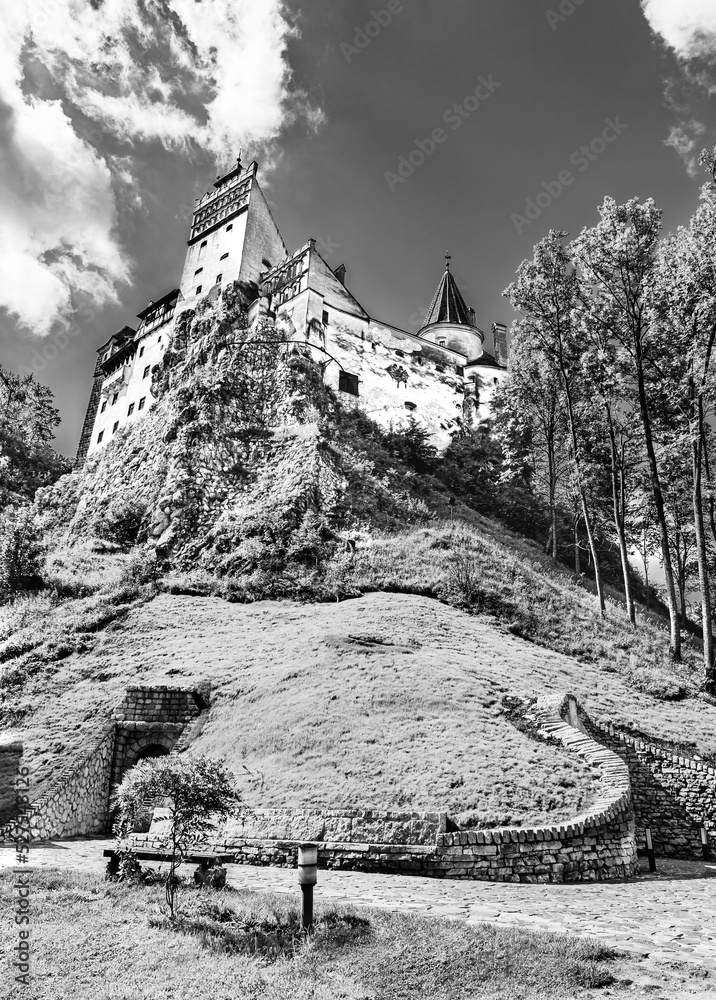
553 88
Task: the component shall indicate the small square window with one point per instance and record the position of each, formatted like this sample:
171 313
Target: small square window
348 383
409 406
198 271
198 289
325 317
223 256
141 351
442 342
229 227
401 354
130 411
218 279
103 407
146 371
115 398
116 425
100 436
203 245
142 401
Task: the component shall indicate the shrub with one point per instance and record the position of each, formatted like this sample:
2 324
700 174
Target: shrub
123 522
20 553
200 791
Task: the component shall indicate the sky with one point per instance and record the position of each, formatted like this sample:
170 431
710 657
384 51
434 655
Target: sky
392 131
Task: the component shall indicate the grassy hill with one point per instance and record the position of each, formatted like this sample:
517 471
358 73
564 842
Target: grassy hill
358 632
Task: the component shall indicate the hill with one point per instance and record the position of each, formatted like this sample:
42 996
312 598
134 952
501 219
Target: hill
253 533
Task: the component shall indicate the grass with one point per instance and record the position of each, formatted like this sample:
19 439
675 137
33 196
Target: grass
331 704
95 941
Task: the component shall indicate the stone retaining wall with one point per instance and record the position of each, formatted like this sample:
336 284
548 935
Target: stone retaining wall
596 845
78 801
159 703
672 795
321 825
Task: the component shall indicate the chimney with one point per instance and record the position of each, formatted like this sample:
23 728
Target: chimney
340 273
499 333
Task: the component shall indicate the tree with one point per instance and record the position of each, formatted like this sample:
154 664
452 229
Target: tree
684 309
28 420
532 430
546 294
200 792
617 258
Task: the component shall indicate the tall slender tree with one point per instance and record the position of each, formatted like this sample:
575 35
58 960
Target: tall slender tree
546 293
617 259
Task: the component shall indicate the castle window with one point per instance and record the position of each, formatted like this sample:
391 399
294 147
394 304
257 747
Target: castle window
410 406
146 371
495 381
105 356
460 370
325 317
400 354
141 351
142 401
198 289
223 256
348 383
116 425
265 262
103 407
115 398
229 227
439 368
198 271
130 411
100 436
218 279
442 342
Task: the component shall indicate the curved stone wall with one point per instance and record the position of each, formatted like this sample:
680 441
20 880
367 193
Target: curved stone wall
673 795
598 844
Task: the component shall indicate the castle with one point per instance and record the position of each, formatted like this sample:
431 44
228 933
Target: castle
441 377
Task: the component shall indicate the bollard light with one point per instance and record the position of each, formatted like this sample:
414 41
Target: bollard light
705 845
307 878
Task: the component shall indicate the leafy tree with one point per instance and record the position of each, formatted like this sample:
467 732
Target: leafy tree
28 420
617 258
20 552
412 446
546 293
532 430
684 311
200 792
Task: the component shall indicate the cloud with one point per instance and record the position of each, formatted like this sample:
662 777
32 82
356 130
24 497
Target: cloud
189 74
688 29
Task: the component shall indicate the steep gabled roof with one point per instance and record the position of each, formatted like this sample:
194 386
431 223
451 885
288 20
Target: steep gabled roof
448 306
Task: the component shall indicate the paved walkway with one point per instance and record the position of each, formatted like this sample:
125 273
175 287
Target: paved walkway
670 915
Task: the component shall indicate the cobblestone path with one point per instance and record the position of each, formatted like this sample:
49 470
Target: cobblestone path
670 915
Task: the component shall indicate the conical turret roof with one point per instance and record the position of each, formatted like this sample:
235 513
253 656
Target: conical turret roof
448 306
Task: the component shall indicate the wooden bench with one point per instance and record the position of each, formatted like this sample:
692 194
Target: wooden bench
207 859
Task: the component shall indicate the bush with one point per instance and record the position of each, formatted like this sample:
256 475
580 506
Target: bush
20 553
124 521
